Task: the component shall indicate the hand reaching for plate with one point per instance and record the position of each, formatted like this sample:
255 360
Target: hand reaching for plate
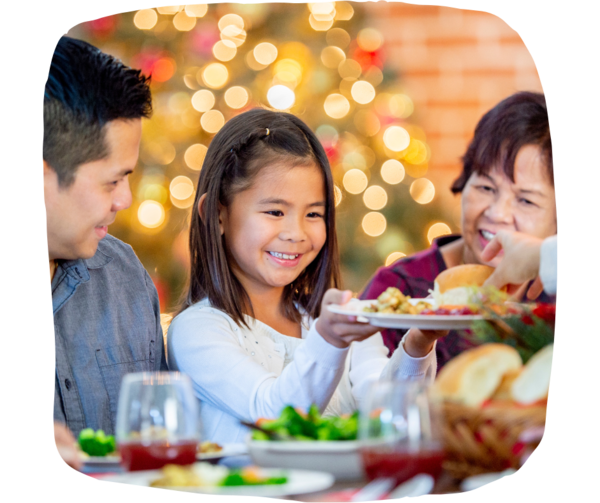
419 343
67 446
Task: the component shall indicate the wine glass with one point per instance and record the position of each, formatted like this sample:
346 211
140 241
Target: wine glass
400 432
157 420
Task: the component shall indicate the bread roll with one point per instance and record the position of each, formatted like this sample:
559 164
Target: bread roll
472 377
456 285
503 392
533 383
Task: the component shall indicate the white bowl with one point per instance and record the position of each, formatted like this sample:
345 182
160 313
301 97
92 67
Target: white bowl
340 458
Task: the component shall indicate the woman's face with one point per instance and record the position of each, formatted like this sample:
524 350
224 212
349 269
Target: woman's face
493 202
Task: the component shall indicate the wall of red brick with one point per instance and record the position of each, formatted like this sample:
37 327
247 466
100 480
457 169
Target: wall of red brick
455 64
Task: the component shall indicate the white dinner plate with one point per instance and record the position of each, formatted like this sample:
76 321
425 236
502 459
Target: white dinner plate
341 458
299 482
423 321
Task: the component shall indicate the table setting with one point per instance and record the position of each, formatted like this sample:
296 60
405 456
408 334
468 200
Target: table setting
479 421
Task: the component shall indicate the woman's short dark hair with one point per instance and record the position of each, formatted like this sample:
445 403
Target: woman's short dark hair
517 121
86 89
247 143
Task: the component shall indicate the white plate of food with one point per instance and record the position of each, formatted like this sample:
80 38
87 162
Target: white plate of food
392 320
340 458
205 478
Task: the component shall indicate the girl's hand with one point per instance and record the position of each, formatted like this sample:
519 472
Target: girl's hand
340 330
419 343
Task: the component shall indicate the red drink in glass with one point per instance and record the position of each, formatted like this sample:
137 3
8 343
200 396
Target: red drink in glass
153 455
401 465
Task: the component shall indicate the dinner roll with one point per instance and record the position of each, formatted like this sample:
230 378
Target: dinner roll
533 383
472 377
454 286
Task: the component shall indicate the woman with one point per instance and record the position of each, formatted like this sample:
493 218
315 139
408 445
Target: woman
507 183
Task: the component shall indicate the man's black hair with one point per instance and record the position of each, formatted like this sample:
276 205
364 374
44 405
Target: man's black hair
86 89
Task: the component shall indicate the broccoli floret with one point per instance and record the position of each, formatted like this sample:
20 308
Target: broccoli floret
96 443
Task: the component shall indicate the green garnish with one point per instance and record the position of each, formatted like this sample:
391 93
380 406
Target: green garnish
311 426
96 443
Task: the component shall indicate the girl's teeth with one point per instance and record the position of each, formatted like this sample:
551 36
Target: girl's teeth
487 235
283 256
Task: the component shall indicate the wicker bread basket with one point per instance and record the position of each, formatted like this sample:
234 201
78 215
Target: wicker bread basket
488 439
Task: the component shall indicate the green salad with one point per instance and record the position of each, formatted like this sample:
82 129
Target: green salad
96 443
309 426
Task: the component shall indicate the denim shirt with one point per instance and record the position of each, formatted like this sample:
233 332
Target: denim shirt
106 324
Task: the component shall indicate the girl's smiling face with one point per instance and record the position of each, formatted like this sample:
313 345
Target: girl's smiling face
276 228
493 202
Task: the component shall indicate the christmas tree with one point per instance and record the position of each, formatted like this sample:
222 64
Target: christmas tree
322 62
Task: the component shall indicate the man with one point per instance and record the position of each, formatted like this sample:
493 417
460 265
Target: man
106 309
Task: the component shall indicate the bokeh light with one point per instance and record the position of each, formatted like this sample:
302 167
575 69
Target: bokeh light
320 22
215 75
181 187
374 75
392 257
327 134
212 121
281 97
369 39
332 56
265 53
252 63
203 100
363 92
173 9
224 50
231 20
198 10
338 37
374 224
343 11
355 181
422 190
194 156
396 138
336 106
436 230
233 34
375 197
392 172
236 97
417 152
163 69
151 214
183 22
337 193
145 19
400 106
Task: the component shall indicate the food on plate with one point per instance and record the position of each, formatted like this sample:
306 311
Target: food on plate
96 443
533 382
393 301
207 475
207 447
457 285
473 376
309 426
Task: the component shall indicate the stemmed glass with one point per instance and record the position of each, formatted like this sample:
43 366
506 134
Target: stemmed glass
399 432
157 420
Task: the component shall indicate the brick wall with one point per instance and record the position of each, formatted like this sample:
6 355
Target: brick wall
455 64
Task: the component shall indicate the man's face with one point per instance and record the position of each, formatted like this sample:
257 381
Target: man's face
78 216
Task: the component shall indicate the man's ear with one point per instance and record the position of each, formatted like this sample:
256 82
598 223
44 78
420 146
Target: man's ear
201 212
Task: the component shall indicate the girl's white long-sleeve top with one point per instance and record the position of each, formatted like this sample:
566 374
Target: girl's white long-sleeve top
249 373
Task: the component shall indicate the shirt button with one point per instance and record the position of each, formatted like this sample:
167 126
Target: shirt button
256 342
252 353
68 383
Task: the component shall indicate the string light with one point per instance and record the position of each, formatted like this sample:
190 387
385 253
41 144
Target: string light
194 156
422 190
396 138
336 106
374 224
437 230
212 121
393 257
145 19
215 75
224 50
369 39
203 100
151 214
265 53
338 37
281 97
355 181
183 22
343 11
363 92
375 197
236 97
332 56
392 172
198 10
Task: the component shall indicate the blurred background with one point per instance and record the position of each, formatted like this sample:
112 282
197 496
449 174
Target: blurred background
393 91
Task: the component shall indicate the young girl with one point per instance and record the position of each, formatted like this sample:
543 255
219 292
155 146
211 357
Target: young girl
264 264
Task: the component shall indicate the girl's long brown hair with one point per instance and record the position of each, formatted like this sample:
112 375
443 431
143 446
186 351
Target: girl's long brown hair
247 143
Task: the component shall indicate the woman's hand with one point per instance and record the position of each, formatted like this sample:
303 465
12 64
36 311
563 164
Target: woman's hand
340 330
520 264
419 343
67 446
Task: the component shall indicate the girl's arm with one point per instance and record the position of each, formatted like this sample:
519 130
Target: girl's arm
203 343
